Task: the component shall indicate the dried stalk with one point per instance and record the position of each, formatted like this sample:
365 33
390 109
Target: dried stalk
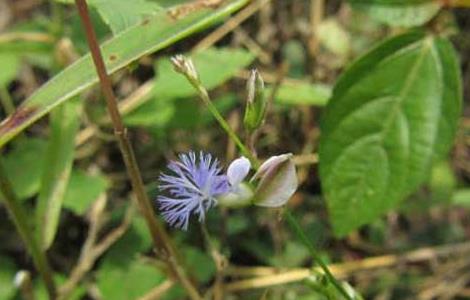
161 240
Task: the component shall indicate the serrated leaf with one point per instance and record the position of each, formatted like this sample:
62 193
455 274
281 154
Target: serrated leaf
82 190
405 13
153 34
392 113
64 124
122 14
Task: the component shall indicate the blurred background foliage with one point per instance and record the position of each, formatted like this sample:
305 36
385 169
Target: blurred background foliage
300 47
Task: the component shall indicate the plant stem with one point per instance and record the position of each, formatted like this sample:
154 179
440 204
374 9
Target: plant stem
6 100
160 237
204 95
20 219
316 257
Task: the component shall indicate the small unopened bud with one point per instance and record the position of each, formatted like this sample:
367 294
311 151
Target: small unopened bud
255 110
277 181
185 66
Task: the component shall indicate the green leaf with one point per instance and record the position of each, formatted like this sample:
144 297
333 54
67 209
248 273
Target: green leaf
83 190
24 165
442 183
392 114
122 14
130 282
7 275
200 264
153 34
302 93
462 198
40 290
405 13
64 124
10 65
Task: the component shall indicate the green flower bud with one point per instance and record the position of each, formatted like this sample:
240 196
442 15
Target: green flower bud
256 103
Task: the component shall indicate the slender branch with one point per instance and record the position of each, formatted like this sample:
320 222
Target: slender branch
316 257
159 235
20 219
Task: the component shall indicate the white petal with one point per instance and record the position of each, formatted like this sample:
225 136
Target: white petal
278 181
270 163
238 170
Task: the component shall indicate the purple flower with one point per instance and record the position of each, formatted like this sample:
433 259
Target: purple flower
191 188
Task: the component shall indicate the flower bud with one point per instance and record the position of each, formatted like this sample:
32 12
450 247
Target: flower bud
185 66
256 104
277 181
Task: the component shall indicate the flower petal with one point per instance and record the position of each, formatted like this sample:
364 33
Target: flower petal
238 170
278 181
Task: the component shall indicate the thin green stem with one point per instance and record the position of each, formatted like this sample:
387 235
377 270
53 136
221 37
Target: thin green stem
161 240
204 95
7 101
20 219
316 257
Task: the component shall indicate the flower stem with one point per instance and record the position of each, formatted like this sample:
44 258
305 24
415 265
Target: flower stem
161 240
20 219
316 257
204 95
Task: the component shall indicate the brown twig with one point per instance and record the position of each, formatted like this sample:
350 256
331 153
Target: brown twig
230 25
157 292
20 219
161 240
92 250
271 276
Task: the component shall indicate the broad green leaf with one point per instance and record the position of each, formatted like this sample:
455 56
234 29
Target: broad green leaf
24 165
83 190
64 123
392 114
153 34
405 13
7 275
302 93
129 282
122 14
